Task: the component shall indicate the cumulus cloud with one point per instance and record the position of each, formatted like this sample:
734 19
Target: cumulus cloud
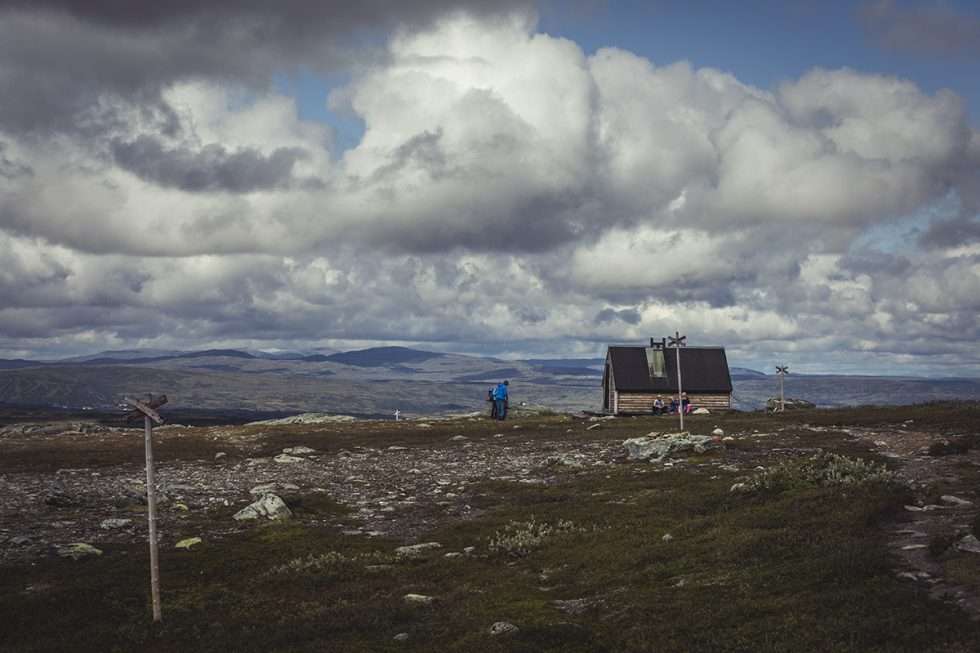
509 192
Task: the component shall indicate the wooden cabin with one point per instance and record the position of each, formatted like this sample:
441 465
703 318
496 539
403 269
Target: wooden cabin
635 376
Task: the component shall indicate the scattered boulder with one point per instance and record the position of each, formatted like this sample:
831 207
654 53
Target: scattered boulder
413 551
305 418
111 523
502 628
699 411
656 446
285 458
566 460
187 543
956 501
298 451
667 537
718 433
969 543
772 404
458 438
418 599
269 506
401 637
78 550
220 455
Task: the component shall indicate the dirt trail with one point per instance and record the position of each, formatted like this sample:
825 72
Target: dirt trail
946 502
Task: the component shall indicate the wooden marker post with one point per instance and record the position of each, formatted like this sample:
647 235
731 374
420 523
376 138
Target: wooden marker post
677 341
146 410
781 372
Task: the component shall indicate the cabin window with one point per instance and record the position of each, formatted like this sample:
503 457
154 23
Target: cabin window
655 362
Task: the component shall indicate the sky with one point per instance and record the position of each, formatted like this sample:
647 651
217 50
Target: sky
799 184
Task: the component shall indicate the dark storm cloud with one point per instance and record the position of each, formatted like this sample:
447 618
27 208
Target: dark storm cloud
59 58
628 315
950 233
935 29
213 167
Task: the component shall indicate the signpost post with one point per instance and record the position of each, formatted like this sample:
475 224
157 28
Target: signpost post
781 372
147 411
677 341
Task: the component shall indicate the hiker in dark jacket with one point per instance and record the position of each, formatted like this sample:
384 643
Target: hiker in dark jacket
500 399
493 402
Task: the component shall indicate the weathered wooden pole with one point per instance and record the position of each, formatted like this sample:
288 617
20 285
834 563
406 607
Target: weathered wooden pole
678 341
151 504
146 410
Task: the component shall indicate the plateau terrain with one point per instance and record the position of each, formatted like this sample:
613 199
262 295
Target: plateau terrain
830 530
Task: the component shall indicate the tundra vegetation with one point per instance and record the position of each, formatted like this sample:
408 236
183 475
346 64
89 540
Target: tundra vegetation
606 554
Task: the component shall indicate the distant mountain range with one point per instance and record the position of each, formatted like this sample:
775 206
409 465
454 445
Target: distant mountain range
381 379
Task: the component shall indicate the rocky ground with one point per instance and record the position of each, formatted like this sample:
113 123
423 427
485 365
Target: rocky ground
72 483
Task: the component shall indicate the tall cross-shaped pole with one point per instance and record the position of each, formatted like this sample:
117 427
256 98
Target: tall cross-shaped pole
677 341
781 372
149 415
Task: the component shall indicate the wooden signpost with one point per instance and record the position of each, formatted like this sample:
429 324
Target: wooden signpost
781 372
677 341
147 410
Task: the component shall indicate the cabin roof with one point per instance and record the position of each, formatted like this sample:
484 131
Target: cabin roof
703 369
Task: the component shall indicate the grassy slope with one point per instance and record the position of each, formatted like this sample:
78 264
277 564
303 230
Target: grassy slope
803 570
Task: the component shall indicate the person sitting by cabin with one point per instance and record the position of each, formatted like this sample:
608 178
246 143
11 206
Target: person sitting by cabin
658 406
673 406
500 400
686 404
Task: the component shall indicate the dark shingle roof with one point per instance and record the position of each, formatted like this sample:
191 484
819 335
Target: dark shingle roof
703 369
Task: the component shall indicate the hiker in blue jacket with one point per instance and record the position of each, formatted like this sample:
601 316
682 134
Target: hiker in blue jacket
500 399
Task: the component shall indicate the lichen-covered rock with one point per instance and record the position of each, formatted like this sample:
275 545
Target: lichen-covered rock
285 458
502 628
418 599
416 550
78 550
187 543
298 451
269 506
114 522
657 446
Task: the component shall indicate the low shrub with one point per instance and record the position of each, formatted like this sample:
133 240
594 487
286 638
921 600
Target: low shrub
328 562
518 539
823 469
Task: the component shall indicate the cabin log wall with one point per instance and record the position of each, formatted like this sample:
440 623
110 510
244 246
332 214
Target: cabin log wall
642 402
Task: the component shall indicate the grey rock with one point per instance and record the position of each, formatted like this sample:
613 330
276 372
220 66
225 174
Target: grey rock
502 628
418 599
298 451
285 458
956 501
269 506
970 544
115 522
78 550
656 446
413 551
403 637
